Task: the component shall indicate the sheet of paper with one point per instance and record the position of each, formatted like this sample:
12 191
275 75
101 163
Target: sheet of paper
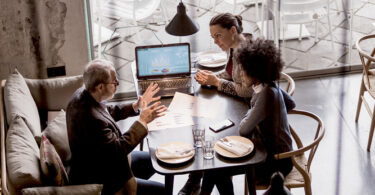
194 106
170 120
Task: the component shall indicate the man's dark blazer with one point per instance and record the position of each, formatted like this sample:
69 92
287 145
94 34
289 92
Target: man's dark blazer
99 151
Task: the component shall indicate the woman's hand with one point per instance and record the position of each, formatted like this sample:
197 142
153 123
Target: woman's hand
206 77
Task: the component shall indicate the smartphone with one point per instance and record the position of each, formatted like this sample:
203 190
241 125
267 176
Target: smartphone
219 126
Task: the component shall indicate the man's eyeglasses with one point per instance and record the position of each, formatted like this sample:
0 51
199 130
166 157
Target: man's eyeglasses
116 83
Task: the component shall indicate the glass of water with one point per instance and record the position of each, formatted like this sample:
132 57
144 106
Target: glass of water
198 135
208 147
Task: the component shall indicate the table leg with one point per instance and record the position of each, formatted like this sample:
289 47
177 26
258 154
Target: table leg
250 176
169 184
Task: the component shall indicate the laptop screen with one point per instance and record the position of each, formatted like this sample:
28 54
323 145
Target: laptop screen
163 60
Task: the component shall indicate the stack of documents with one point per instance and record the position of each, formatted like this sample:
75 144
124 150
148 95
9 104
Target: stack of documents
182 110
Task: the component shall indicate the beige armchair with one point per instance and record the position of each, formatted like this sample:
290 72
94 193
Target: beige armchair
28 101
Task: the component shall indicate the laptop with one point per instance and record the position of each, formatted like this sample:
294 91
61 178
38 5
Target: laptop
168 65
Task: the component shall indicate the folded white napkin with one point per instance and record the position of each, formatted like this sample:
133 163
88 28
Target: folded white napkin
212 58
237 148
170 152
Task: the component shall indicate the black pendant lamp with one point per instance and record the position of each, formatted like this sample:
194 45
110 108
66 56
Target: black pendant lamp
181 24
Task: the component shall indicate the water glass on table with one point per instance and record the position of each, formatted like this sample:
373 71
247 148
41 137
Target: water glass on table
208 147
198 135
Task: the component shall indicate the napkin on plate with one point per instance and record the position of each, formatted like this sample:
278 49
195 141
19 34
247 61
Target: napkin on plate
212 58
236 147
168 152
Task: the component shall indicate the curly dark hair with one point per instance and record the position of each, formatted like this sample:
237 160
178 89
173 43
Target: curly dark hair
260 59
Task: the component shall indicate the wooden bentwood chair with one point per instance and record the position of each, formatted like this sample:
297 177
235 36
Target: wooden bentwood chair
367 84
300 176
290 85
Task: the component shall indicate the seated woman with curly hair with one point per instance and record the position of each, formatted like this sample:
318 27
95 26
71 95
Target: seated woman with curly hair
266 120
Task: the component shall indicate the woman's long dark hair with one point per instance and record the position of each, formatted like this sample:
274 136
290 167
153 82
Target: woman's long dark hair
227 20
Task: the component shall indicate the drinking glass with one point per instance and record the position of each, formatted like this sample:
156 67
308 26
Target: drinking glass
198 135
208 147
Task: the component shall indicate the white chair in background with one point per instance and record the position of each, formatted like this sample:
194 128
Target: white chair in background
134 10
302 12
297 12
131 9
235 3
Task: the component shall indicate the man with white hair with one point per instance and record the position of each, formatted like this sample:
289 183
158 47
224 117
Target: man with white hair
99 149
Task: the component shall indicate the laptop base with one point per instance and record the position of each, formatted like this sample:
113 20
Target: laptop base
165 93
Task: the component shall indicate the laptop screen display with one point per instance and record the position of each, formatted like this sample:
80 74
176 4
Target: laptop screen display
156 61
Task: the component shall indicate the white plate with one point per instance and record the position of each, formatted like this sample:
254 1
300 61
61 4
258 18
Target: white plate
212 59
228 154
179 145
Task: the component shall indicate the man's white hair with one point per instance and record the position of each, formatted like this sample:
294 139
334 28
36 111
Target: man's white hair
97 71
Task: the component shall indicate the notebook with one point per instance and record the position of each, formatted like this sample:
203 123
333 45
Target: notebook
168 65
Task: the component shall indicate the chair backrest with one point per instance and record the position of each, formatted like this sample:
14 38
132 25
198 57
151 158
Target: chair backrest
302 5
236 1
366 59
301 149
290 86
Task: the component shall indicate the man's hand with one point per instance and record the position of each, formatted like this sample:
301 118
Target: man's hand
147 97
148 114
205 77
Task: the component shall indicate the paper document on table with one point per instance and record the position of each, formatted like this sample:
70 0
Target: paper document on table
170 120
194 106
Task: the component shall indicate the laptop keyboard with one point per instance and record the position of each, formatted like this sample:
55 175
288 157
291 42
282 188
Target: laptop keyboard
168 83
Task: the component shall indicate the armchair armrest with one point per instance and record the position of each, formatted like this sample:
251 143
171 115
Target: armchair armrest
87 189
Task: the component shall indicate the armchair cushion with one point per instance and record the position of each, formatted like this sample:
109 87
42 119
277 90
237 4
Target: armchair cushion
57 134
53 94
87 189
22 155
52 167
18 101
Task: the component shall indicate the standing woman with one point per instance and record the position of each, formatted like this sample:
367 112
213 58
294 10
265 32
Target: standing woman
266 120
226 30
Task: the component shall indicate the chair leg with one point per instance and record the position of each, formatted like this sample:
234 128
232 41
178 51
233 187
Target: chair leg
256 10
262 18
283 27
300 32
337 6
308 190
361 92
214 8
329 25
316 31
371 131
163 10
275 32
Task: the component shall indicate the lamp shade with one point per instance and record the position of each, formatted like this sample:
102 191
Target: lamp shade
181 24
